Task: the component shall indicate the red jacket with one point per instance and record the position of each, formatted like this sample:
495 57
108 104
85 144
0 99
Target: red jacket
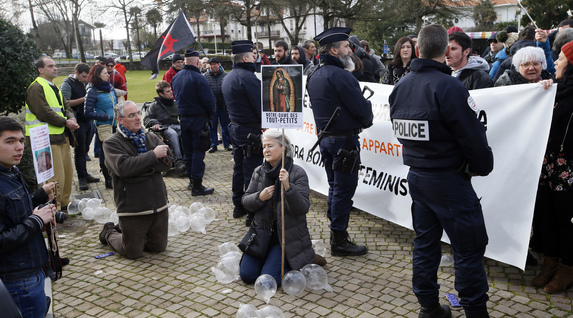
169 75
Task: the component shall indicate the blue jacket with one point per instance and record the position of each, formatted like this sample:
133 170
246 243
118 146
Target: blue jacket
441 105
332 86
499 57
22 248
99 105
192 92
242 92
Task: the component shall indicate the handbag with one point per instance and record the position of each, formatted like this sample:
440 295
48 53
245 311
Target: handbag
104 131
256 242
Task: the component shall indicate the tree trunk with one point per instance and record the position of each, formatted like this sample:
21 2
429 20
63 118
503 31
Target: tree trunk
128 40
35 31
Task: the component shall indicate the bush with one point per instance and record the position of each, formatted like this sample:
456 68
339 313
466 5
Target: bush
17 70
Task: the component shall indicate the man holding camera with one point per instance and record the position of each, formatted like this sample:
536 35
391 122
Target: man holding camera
23 253
242 93
329 88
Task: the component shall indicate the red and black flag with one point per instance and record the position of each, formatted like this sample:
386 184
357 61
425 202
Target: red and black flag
177 36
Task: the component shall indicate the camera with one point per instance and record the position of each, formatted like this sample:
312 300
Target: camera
59 216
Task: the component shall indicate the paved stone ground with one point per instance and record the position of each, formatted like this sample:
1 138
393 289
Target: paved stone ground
179 281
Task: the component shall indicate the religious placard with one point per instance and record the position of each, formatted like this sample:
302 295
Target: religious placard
282 96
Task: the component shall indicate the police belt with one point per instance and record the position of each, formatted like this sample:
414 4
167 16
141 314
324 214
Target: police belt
250 125
349 134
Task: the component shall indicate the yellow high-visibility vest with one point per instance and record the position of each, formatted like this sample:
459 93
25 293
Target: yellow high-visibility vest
31 119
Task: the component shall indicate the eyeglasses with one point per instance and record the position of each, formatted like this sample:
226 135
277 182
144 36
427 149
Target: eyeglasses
529 64
133 115
110 65
102 63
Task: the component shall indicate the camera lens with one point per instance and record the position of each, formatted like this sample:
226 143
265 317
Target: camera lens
60 217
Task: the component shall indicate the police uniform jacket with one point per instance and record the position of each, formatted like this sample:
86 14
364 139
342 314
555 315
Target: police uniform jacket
440 109
332 86
192 93
242 93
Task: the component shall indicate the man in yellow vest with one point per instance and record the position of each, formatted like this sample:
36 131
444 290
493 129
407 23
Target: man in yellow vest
46 105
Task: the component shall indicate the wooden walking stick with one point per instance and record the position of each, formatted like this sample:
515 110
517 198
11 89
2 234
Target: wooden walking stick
283 214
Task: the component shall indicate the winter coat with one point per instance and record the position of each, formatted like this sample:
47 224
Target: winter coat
298 246
512 77
138 186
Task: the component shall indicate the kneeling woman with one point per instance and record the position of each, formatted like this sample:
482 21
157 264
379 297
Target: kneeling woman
264 198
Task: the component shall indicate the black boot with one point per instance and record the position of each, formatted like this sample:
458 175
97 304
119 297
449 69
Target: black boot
476 312
443 311
200 189
341 245
107 176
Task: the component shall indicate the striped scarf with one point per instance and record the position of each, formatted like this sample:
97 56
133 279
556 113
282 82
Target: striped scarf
138 139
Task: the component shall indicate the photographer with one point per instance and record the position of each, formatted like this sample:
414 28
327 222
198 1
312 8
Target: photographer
22 247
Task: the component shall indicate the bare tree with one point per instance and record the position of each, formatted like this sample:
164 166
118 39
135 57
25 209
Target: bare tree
191 8
222 13
123 7
58 13
296 10
246 12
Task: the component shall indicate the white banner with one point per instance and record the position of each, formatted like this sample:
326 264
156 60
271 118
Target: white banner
518 121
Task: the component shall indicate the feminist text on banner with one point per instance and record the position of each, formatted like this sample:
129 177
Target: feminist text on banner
517 131
177 36
42 152
282 95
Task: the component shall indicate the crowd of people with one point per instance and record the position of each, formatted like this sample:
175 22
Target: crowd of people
432 74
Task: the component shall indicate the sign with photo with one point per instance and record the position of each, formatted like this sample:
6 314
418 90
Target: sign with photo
282 96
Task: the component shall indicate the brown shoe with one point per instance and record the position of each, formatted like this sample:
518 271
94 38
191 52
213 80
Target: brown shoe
319 260
562 280
548 270
109 226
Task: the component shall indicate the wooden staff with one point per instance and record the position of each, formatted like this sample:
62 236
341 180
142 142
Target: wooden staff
283 213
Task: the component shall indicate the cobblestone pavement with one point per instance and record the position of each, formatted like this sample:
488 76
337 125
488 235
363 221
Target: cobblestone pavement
179 281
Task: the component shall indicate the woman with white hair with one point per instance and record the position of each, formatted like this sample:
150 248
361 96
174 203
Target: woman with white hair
262 252
529 66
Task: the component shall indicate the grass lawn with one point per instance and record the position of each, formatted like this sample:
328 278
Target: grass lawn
139 88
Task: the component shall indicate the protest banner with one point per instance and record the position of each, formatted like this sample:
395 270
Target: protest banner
519 119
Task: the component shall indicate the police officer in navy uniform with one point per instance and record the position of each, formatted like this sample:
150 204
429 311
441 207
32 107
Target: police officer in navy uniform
329 87
435 119
242 93
196 106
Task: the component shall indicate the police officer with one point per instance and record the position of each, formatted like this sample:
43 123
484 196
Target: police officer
196 106
329 87
242 93
435 119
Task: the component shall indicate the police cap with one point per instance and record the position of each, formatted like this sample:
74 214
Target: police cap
333 35
241 46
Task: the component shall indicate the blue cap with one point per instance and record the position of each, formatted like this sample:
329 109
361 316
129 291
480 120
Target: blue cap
191 52
241 46
333 35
